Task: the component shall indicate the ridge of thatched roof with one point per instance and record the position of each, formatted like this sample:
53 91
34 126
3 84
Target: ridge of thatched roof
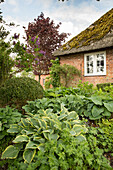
98 35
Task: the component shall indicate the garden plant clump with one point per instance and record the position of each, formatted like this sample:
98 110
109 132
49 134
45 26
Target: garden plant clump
93 108
69 128
16 91
53 141
8 116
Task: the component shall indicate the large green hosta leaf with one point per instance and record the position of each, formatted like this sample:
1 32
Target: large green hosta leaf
72 115
32 145
0 126
29 154
13 129
81 138
95 118
63 116
109 106
79 129
96 99
53 136
11 152
21 138
106 113
24 122
96 111
42 123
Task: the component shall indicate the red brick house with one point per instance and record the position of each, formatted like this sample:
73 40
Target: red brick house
91 51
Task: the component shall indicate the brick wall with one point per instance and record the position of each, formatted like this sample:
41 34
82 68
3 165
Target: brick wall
77 60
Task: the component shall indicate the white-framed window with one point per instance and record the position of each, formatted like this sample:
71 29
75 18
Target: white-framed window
95 64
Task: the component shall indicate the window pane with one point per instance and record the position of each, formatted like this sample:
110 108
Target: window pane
95 64
100 63
89 60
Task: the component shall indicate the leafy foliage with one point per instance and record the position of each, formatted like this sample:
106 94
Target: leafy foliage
103 86
8 116
38 132
85 89
61 74
16 91
53 141
81 89
60 92
109 89
54 78
49 39
94 107
6 63
102 137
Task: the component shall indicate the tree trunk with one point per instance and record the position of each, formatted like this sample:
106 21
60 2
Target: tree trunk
39 78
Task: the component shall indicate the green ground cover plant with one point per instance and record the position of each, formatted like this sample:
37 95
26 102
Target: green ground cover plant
104 85
8 116
36 134
93 108
53 141
85 89
102 136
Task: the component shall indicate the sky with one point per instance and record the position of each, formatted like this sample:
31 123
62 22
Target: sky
75 15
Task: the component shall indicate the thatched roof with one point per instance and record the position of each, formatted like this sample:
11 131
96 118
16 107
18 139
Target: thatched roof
99 35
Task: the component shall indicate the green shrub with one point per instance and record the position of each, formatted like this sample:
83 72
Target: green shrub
85 89
103 86
16 91
58 73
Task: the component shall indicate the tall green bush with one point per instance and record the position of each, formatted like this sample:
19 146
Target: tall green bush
6 63
16 91
61 72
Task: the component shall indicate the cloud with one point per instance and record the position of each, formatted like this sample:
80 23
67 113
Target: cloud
45 4
75 15
76 18
29 2
12 2
15 7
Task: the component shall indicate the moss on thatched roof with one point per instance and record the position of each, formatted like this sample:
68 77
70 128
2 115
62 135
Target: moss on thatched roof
94 33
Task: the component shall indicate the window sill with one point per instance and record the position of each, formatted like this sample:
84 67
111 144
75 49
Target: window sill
95 75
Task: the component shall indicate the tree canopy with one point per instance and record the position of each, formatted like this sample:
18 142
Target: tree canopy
48 39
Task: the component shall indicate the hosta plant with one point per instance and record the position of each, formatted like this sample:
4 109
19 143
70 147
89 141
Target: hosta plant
47 134
94 107
8 116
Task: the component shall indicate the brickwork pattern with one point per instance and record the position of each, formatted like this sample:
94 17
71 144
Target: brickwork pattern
77 60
